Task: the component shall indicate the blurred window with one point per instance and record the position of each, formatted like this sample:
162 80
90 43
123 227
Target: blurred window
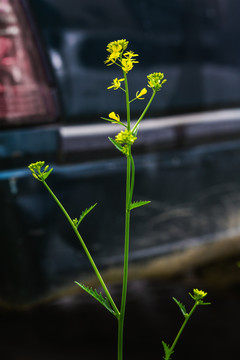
194 42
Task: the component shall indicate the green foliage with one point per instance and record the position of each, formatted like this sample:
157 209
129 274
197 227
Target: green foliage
136 130
110 120
136 204
114 122
182 307
98 297
83 214
167 350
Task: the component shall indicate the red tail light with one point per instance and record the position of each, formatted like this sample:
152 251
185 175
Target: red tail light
25 96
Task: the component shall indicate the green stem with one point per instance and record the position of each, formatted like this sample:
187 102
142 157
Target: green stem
132 178
85 249
126 254
129 192
183 326
144 111
127 101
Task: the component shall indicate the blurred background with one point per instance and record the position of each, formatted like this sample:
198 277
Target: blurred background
53 92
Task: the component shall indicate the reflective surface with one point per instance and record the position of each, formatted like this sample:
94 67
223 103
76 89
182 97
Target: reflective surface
185 40
195 196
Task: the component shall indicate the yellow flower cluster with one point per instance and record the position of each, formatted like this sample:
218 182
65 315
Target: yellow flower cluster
156 80
117 46
125 59
117 56
125 137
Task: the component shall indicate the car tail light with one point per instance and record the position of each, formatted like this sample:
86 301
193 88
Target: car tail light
25 96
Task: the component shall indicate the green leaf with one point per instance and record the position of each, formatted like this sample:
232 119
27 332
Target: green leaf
84 213
114 122
118 146
203 303
136 204
46 174
136 130
111 121
167 350
98 297
182 307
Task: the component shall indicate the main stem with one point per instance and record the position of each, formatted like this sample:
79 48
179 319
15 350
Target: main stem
125 267
129 192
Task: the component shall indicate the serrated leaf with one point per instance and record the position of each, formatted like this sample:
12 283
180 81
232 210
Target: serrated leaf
167 350
136 204
84 213
118 146
181 306
98 297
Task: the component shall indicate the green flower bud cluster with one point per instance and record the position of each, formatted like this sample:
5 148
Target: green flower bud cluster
198 296
156 81
125 137
37 172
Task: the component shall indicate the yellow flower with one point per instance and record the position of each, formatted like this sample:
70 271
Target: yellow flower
117 46
112 58
130 55
114 47
128 61
116 84
116 50
155 81
114 116
141 93
125 137
127 65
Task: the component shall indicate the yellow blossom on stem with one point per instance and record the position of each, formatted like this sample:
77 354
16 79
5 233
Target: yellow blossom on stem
155 81
114 116
117 46
126 65
128 61
125 137
112 58
116 84
131 55
141 93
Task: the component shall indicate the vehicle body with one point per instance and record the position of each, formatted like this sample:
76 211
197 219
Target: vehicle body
187 162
